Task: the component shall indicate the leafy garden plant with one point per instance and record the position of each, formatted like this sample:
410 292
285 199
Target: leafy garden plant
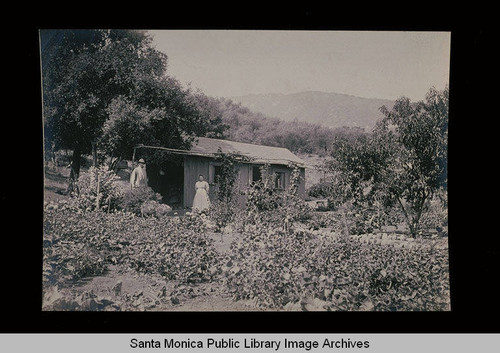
298 269
222 210
79 244
278 270
271 208
98 190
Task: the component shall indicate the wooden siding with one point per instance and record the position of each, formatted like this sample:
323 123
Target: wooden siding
195 165
302 185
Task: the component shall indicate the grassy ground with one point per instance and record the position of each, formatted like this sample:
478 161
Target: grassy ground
56 184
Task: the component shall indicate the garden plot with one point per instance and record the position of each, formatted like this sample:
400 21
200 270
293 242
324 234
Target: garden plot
401 241
122 289
97 261
118 261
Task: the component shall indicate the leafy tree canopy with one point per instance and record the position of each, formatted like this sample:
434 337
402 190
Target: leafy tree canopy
402 162
110 87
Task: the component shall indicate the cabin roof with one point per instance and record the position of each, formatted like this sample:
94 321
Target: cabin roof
257 153
208 147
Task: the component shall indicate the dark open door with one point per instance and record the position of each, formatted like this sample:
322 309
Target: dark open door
168 180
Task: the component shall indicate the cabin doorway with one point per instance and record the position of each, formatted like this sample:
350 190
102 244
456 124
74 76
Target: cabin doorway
167 179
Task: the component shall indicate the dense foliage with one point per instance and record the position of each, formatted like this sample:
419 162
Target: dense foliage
97 190
400 165
417 168
133 199
310 272
83 243
308 266
82 72
243 125
224 206
268 207
109 90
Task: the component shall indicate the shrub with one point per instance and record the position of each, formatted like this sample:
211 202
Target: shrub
133 199
97 189
364 220
222 208
329 219
154 208
270 208
321 190
222 214
435 217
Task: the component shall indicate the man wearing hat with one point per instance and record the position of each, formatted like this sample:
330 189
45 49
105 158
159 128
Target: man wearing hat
139 177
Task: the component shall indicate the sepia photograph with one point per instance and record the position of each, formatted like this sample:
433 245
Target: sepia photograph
245 170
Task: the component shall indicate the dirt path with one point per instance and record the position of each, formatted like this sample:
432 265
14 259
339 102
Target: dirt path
154 293
132 291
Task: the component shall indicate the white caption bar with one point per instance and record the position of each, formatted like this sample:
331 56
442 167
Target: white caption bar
249 343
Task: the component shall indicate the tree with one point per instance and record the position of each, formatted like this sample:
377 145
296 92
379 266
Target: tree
402 163
355 165
418 138
83 71
244 125
110 88
210 112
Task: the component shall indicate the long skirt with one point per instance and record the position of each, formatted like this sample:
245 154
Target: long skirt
201 201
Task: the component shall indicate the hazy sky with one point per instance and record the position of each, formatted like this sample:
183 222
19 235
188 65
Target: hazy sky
367 64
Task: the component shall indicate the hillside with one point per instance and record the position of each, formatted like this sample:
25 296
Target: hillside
330 109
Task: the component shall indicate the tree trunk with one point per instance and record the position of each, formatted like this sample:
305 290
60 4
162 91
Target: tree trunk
94 154
98 194
407 218
74 171
75 164
416 219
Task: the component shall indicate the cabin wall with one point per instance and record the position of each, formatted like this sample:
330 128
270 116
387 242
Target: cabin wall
288 173
302 185
242 183
193 167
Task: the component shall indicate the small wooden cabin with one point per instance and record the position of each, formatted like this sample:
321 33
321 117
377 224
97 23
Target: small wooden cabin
175 181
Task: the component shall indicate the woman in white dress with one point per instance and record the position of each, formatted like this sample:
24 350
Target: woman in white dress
201 200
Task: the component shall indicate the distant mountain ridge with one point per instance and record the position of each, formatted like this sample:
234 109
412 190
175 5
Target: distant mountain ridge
330 109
